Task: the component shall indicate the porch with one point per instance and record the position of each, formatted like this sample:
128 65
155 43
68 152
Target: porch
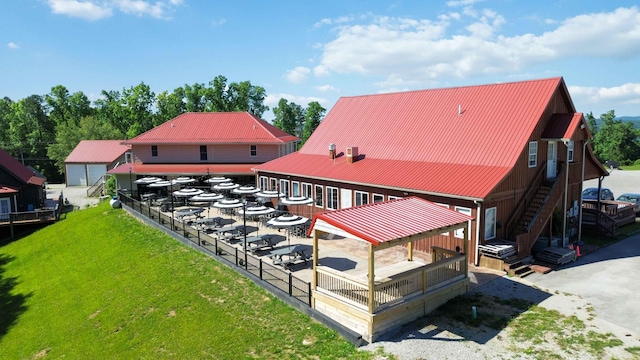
609 216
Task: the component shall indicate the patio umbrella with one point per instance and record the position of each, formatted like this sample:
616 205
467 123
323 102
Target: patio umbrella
147 180
269 194
287 222
164 183
225 186
183 180
206 197
296 200
233 204
217 180
186 193
245 190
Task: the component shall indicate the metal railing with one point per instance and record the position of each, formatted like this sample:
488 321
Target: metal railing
278 278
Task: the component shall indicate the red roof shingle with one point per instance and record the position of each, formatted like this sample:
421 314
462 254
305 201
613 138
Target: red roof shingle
218 127
97 151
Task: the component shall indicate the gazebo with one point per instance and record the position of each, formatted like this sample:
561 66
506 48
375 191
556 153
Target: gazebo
398 293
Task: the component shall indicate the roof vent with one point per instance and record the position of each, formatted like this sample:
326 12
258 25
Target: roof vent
352 154
459 109
173 125
332 151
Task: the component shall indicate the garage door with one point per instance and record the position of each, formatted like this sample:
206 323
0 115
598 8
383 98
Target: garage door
76 175
95 172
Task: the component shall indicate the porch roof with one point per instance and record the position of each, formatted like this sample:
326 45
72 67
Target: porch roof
391 221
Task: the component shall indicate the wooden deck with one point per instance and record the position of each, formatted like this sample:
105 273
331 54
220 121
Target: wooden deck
609 217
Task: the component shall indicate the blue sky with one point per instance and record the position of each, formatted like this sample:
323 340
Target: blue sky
321 50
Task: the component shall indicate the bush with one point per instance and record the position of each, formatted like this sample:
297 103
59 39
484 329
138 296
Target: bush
110 186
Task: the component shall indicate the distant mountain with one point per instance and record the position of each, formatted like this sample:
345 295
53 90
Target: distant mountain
632 119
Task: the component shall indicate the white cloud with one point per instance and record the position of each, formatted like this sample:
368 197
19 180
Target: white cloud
297 75
272 100
626 94
408 51
456 3
12 45
326 88
99 9
218 22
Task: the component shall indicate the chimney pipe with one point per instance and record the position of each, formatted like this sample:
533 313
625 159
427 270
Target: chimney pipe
332 151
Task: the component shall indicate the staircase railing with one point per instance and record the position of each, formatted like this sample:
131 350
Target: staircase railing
521 207
525 241
96 188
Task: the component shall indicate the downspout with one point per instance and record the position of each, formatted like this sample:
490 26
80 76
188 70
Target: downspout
477 249
566 191
584 149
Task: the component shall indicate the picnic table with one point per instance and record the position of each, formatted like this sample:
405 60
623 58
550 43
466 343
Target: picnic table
182 213
289 255
260 242
230 232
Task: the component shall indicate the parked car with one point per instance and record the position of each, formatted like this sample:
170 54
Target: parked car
592 194
632 198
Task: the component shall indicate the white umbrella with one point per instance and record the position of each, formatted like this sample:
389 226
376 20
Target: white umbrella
217 180
287 222
183 180
147 180
243 190
257 210
228 204
161 183
296 200
225 186
187 192
269 194
206 197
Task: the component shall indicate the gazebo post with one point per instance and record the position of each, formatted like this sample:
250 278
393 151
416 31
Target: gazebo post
372 282
314 280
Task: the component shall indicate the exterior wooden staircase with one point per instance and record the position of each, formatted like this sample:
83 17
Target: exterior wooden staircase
518 267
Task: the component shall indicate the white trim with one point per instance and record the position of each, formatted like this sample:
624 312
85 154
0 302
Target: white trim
490 227
330 190
463 210
284 187
533 154
391 197
361 193
307 191
264 183
570 148
374 198
294 185
316 198
273 183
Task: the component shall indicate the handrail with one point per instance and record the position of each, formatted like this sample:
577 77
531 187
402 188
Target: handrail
546 199
524 200
96 185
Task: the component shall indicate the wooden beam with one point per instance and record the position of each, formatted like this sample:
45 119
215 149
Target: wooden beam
465 245
410 251
372 278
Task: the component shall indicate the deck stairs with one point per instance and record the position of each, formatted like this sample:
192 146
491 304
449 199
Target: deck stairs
518 267
532 209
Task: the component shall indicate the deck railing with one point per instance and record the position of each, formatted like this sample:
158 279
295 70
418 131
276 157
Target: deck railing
394 289
277 277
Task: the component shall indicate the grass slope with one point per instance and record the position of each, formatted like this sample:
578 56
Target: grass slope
101 285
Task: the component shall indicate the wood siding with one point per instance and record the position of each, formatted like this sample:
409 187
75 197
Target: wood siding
27 194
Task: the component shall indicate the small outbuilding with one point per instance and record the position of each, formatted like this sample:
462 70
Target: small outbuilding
91 159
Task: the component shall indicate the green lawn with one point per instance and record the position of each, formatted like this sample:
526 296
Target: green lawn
101 285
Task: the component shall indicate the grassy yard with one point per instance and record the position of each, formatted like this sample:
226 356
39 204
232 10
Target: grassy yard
101 285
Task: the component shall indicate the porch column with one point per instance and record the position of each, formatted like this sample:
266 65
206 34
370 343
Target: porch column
372 277
466 247
314 279
410 251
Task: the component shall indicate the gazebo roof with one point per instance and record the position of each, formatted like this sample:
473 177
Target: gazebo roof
390 221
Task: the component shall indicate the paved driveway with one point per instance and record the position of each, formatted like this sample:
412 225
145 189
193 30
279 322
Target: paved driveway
606 278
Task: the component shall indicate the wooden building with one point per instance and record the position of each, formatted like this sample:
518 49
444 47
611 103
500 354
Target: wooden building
510 155
21 189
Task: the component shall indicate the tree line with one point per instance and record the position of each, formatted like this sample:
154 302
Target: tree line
42 130
614 139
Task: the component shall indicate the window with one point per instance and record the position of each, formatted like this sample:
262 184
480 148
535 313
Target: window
319 198
490 223
332 198
460 232
570 151
295 188
284 187
378 198
128 157
264 182
533 154
203 152
446 207
154 150
362 198
393 197
306 190
254 150
274 184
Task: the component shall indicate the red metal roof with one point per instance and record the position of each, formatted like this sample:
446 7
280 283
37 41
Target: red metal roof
383 222
20 171
427 177
447 133
97 151
184 169
7 190
208 128
562 126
